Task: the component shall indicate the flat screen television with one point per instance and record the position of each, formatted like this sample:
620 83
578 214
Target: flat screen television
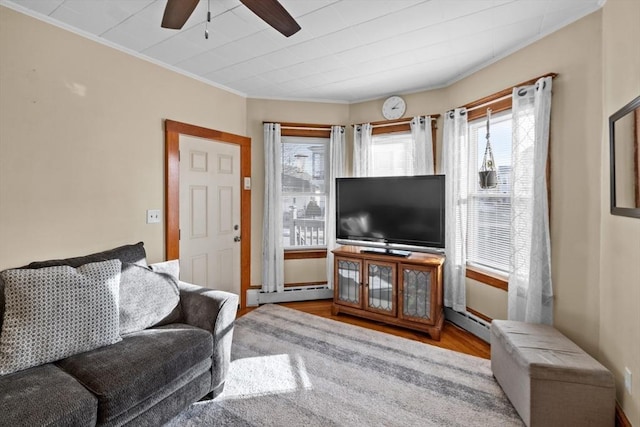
398 210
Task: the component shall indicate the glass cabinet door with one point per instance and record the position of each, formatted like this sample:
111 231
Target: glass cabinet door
347 282
380 288
417 294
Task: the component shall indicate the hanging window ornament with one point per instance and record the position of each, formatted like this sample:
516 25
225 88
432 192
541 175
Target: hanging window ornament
488 174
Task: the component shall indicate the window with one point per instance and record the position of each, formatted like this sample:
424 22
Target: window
490 209
304 192
391 154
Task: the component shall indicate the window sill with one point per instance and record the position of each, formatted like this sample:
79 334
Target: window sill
487 278
304 253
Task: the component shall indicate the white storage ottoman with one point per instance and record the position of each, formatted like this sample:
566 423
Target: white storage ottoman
549 379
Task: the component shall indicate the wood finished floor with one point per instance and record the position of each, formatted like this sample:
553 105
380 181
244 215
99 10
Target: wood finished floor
452 337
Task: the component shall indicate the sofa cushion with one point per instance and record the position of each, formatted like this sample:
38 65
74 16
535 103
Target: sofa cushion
169 407
132 254
147 298
145 366
56 312
45 396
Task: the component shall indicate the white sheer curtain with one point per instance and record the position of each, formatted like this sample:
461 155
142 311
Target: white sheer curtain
362 156
530 289
335 170
455 155
272 248
422 145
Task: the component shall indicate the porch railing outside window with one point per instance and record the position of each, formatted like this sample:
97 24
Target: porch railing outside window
304 192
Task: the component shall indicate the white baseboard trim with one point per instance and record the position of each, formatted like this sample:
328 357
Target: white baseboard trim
469 322
256 297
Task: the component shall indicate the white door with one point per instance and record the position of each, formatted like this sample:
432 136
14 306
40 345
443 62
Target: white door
210 213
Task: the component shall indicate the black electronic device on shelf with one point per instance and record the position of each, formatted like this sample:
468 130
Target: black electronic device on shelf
400 212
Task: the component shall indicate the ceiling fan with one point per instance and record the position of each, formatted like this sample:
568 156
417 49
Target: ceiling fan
272 12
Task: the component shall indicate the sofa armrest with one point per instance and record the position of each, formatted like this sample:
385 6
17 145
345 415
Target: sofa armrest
214 311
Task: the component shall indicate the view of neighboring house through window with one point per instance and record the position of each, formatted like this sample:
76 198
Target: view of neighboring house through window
304 192
488 229
391 154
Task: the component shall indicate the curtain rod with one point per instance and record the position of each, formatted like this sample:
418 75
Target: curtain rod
402 121
477 107
503 94
304 128
308 126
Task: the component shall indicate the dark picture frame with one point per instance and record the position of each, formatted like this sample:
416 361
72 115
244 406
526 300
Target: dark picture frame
624 140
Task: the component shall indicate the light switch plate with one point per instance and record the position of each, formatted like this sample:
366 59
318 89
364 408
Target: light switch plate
153 216
247 183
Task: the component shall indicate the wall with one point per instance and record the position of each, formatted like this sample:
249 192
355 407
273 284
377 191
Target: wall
487 300
264 110
82 141
620 236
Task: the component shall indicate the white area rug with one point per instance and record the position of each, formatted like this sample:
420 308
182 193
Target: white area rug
294 369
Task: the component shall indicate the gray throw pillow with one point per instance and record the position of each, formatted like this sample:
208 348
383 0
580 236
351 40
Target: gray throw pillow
56 312
133 254
147 298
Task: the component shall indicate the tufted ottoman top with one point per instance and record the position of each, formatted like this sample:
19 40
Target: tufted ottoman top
548 355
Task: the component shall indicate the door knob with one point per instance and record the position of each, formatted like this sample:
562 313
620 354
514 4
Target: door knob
236 239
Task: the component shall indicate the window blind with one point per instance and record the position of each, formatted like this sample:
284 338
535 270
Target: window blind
391 154
489 210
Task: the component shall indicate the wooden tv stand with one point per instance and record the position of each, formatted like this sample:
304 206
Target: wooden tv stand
399 290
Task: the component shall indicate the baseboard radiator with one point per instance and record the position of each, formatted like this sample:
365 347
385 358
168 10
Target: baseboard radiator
469 322
256 297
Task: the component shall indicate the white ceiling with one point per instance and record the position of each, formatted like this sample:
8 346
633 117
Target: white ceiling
347 50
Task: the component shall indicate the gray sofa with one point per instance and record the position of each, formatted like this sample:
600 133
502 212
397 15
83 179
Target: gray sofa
156 369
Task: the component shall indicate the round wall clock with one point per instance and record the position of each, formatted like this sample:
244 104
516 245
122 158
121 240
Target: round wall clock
393 107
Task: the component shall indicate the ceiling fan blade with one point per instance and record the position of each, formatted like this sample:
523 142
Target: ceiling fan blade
274 14
177 12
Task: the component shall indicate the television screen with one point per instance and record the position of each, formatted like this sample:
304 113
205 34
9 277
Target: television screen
405 210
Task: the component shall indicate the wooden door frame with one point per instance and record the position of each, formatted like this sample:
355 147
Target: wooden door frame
172 132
